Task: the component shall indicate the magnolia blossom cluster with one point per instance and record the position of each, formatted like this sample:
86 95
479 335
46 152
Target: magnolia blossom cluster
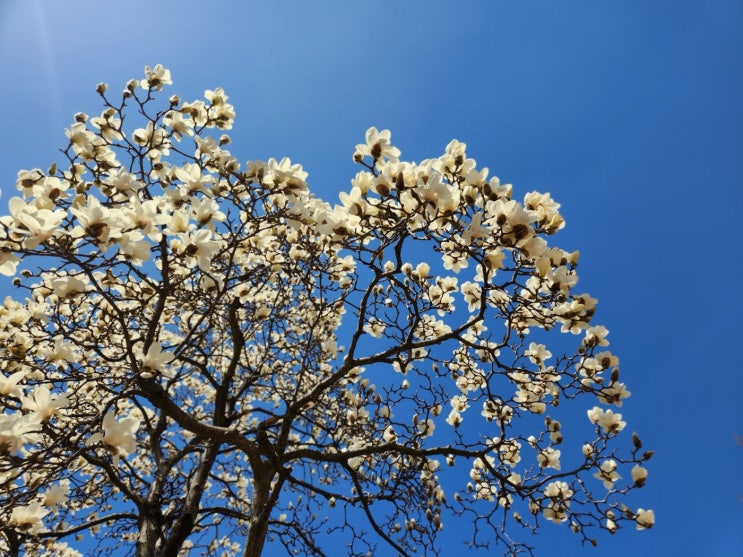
203 355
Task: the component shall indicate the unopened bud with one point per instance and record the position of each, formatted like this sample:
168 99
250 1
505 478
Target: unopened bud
636 441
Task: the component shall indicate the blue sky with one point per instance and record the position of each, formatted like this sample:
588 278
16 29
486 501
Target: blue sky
629 113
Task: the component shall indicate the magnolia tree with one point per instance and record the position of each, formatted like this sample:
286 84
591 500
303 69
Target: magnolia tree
202 357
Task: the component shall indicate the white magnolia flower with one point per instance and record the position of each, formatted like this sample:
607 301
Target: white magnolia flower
607 473
454 418
639 475
67 286
120 437
426 427
9 385
377 145
557 494
8 263
198 245
42 403
63 351
37 225
155 77
549 458
644 519
538 353
56 495
375 328
389 435
16 430
97 221
596 336
155 361
179 124
134 247
28 518
610 422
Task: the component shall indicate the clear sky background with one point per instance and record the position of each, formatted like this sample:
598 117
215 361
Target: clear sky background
630 113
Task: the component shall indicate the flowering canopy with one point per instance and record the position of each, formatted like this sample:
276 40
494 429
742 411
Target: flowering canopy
206 357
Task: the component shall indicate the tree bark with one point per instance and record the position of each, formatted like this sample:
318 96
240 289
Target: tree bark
187 517
260 510
149 532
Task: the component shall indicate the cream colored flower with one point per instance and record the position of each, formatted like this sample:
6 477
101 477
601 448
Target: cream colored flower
119 436
645 519
42 403
28 518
